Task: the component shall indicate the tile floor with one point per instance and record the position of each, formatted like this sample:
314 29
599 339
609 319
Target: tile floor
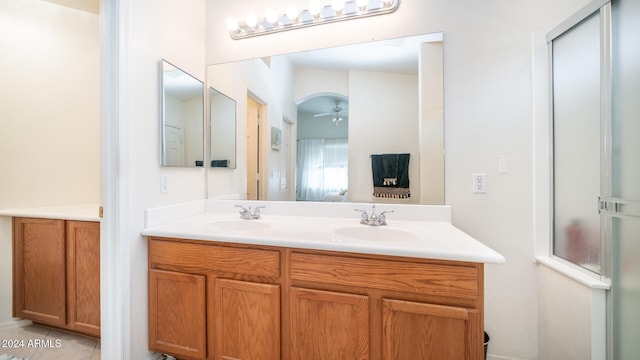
35 342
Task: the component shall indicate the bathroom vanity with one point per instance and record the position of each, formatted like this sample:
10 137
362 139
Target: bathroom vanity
296 286
56 267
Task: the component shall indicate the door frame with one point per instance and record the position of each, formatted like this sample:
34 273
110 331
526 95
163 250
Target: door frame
263 150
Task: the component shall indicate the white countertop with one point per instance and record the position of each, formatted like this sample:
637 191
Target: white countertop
82 212
338 232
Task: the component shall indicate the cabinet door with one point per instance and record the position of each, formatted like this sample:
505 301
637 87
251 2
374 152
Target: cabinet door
177 314
418 331
246 320
83 276
329 325
39 270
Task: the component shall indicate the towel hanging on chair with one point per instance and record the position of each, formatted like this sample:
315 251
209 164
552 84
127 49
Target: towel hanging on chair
390 176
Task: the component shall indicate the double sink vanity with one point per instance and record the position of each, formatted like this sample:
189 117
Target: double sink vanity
313 281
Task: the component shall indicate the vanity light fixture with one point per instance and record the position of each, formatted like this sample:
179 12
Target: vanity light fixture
316 14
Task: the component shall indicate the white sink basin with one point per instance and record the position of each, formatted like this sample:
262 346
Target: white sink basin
240 225
376 233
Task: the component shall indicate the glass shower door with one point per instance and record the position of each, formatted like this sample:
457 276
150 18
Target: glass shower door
622 209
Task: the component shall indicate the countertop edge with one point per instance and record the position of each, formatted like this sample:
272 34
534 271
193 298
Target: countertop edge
83 212
488 256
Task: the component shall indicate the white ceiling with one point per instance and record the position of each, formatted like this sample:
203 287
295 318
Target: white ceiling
394 55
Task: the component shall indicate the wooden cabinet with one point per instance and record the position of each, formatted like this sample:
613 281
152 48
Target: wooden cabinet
83 276
418 309
178 324
329 325
56 273
224 301
413 330
39 271
279 303
246 320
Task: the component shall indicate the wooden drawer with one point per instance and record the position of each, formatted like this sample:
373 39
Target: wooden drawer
202 258
436 279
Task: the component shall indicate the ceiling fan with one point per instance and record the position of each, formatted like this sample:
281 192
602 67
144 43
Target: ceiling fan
335 112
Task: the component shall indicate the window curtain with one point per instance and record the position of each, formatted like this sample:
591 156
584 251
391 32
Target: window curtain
321 168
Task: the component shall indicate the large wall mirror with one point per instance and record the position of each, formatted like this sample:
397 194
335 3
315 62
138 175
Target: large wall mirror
382 97
222 122
182 120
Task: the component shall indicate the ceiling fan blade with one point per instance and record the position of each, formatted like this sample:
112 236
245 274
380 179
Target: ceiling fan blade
323 114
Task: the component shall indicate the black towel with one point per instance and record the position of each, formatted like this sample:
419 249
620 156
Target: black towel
219 163
390 175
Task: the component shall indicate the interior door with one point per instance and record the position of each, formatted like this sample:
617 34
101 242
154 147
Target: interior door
174 146
287 161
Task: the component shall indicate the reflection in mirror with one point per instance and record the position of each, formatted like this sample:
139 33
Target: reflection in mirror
182 118
223 130
393 93
323 149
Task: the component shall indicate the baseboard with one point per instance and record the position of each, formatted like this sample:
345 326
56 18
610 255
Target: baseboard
12 324
497 357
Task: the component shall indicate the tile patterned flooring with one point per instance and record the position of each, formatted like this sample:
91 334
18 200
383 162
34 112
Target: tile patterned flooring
35 342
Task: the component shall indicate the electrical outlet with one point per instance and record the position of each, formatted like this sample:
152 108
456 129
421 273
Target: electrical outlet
479 182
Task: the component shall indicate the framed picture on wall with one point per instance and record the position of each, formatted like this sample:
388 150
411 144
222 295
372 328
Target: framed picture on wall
276 138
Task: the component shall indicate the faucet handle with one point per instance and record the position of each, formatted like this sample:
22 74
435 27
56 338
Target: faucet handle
244 212
383 219
256 212
364 219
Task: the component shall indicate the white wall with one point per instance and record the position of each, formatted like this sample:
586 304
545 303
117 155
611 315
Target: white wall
263 80
49 122
389 127
384 118
49 114
147 31
567 321
488 114
431 128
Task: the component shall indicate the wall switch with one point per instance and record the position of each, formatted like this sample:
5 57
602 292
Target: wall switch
502 165
479 182
164 183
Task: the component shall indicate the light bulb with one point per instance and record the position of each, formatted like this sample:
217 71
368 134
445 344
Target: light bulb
292 13
315 8
362 4
251 20
337 5
232 24
271 16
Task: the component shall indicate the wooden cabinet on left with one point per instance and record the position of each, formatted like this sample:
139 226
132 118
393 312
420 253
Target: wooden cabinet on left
56 273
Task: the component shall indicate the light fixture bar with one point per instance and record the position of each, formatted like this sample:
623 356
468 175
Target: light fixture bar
317 14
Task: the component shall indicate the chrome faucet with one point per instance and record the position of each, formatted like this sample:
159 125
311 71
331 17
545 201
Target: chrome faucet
373 219
245 213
